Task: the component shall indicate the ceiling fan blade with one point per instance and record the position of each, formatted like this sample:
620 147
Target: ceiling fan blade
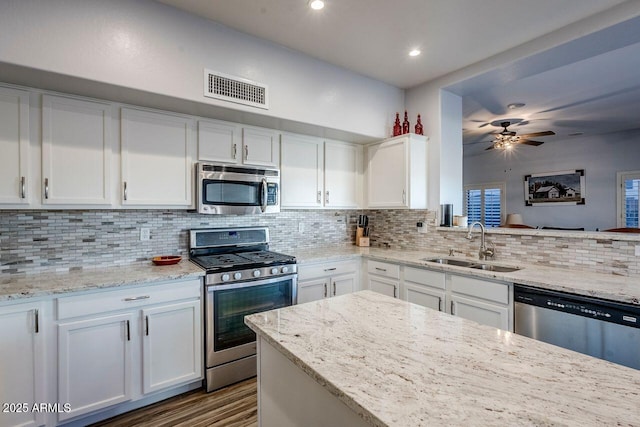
530 142
491 147
545 133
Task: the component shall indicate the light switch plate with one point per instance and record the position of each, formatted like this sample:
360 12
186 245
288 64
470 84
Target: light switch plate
300 227
145 234
637 250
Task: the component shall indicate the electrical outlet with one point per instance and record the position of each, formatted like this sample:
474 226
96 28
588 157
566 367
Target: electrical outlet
422 226
300 227
145 234
637 250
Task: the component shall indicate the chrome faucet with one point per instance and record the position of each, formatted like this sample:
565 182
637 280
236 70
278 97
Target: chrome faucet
484 252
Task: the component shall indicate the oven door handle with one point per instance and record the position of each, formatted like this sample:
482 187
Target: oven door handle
264 195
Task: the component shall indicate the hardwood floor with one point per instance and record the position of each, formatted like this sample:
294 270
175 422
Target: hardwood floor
233 406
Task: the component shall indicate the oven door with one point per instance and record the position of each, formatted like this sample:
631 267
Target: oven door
228 338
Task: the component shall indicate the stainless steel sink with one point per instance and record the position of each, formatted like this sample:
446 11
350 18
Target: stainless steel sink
456 262
493 267
472 264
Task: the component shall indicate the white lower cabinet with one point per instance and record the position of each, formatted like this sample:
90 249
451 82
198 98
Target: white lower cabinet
425 287
483 301
325 280
120 345
383 278
22 368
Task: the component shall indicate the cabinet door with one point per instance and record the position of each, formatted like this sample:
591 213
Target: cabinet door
94 363
301 171
482 312
14 145
384 286
342 285
260 147
172 345
219 141
312 290
424 296
21 364
76 151
341 166
157 152
387 178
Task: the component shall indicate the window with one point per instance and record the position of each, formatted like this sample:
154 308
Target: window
628 195
485 203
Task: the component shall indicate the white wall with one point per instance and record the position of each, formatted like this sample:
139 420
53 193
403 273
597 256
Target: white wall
600 156
154 48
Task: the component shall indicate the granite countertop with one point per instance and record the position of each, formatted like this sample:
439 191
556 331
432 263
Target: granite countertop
399 364
45 284
600 285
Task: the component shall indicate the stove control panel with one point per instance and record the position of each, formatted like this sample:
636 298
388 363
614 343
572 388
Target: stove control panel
250 274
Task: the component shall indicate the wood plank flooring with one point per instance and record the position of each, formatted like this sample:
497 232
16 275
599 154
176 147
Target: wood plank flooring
233 406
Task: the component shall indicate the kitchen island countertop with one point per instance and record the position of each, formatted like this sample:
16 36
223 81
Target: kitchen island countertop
399 364
607 286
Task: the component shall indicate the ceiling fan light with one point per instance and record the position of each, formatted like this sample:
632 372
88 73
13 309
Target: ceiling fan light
316 4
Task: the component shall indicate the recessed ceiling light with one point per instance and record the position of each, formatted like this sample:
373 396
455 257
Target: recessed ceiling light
515 105
414 52
316 4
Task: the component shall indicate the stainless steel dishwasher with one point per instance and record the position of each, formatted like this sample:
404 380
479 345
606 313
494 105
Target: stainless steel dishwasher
600 328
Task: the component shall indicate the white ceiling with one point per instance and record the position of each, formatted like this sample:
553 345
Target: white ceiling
593 94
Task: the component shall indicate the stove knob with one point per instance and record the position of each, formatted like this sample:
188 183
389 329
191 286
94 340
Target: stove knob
285 269
256 273
225 277
274 270
237 276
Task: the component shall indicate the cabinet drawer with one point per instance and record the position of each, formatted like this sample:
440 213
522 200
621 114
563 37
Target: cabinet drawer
313 271
491 291
383 269
434 279
122 299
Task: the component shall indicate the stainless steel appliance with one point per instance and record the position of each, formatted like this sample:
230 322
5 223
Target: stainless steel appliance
243 277
229 189
600 328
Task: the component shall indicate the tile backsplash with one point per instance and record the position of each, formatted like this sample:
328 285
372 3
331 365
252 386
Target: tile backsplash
42 241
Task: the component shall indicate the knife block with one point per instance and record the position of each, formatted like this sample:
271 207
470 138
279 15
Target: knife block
360 239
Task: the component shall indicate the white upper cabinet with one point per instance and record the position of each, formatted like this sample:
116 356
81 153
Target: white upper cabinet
14 146
302 170
260 147
76 152
157 159
342 178
219 141
397 173
317 174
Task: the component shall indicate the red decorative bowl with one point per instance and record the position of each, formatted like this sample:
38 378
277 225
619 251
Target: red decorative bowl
166 259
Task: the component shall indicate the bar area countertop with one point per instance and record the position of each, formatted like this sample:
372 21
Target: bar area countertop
398 364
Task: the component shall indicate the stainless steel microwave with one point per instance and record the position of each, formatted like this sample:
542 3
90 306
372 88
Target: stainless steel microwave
232 189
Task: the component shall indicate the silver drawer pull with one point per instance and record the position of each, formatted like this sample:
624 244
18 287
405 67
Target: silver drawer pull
46 188
137 298
381 269
23 191
330 269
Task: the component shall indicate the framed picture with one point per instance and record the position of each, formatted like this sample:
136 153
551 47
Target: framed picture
554 188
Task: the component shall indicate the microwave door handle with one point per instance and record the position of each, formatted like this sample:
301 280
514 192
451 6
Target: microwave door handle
264 195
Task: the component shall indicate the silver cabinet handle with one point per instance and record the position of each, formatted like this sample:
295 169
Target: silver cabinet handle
319 197
334 289
395 291
128 331
146 324
23 191
246 152
439 303
137 298
404 196
125 191
327 198
36 325
452 308
381 269
325 290
234 151
46 188
330 269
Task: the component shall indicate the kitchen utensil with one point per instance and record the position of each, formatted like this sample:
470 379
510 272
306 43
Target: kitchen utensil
166 259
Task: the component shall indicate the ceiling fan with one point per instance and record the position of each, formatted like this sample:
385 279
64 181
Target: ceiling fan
507 138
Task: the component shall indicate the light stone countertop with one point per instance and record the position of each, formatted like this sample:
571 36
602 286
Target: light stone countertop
45 284
599 285
400 364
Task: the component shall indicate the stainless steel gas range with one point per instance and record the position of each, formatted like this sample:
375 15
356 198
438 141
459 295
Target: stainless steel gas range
243 277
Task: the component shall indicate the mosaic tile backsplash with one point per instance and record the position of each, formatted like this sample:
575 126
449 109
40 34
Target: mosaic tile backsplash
41 241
